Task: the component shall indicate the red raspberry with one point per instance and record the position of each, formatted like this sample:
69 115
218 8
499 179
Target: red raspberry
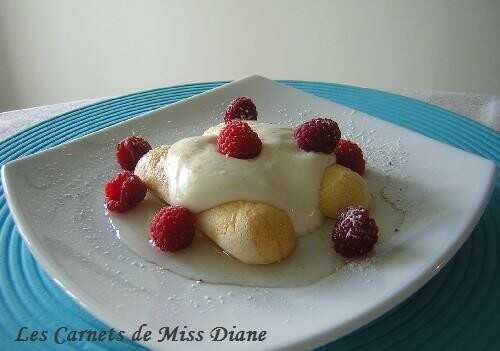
318 135
130 150
172 228
124 192
238 140
350 155
240 108
355 233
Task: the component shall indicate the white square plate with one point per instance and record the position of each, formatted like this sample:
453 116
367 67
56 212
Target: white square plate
56 199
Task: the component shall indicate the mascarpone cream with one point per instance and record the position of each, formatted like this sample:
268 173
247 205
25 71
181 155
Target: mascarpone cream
199 177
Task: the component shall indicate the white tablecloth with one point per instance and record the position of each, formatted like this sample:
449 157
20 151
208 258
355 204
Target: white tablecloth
483 108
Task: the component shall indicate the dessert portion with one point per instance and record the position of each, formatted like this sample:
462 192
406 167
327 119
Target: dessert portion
194 174
250 187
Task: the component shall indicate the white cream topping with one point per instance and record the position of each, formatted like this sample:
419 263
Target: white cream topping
199 177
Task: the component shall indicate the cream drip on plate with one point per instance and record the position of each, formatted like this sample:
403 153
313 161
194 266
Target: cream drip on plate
199 177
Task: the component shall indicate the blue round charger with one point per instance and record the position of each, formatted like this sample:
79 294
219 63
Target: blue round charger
457 310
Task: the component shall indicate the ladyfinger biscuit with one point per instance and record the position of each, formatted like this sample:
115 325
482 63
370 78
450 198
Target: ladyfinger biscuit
341 188
151 172
252 232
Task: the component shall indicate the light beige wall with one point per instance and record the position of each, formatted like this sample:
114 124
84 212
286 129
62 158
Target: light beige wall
57 50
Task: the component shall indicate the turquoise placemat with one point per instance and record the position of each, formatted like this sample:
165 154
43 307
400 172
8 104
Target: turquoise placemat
457 310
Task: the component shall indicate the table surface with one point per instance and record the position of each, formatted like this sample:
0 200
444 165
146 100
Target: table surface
484 109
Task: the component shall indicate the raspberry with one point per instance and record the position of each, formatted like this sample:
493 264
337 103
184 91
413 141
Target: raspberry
350 155
238 140
172 228
318 134
130 150
240 108
355 233
124 192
